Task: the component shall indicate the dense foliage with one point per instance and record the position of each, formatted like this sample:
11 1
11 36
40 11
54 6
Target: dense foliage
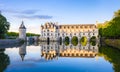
17 34
111 29
4 26
83 41
74 40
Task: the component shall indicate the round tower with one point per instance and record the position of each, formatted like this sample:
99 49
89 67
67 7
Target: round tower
22 31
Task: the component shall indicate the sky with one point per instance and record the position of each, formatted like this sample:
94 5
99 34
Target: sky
37 12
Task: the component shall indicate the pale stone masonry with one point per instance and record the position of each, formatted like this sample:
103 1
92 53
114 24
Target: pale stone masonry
22 31
53 31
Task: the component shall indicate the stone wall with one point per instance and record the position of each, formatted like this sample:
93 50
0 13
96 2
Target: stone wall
4 43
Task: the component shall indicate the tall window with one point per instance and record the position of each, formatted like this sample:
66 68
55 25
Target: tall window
83 33
47 34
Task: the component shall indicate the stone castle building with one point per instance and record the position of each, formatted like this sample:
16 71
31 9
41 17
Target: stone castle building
54 32
22 31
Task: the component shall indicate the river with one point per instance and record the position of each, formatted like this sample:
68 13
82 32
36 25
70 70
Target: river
55 57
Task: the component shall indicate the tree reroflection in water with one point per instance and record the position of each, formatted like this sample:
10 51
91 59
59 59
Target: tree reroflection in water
93 41
74 40
4 60
83 41
112 55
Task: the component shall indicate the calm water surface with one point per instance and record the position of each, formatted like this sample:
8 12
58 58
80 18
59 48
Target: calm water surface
59 58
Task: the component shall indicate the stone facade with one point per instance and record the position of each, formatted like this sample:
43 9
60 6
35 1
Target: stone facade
22 31
53 32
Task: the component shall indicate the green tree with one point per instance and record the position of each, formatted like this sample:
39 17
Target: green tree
12 34
17 34
74 40
117 13
111 29
4 26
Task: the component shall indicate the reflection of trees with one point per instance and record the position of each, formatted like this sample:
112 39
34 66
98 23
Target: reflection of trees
4 60
74 40
112 55
66 41
83 41
93 40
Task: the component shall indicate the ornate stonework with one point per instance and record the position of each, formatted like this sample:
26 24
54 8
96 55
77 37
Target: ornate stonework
53 31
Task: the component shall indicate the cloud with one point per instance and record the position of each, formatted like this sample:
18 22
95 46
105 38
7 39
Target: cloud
19 12
34 17
26 14
29 11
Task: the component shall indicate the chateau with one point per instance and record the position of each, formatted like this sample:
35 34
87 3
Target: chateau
54 32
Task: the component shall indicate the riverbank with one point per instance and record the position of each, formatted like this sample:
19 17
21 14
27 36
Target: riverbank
4 43
113 42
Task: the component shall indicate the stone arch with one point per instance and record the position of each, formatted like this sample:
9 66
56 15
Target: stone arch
83 41
74 40
48 40
66 40
93 40
60 40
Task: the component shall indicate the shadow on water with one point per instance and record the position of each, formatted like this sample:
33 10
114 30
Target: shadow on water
4 60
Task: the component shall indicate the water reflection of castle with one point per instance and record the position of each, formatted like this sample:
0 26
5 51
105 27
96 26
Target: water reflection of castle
22 51
54 50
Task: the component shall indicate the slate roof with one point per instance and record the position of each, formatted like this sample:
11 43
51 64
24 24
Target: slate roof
22 26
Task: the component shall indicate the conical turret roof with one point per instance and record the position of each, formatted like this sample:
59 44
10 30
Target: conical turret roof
22 56
22 26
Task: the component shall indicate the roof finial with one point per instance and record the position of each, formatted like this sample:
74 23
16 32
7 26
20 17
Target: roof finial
22 22
22 26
